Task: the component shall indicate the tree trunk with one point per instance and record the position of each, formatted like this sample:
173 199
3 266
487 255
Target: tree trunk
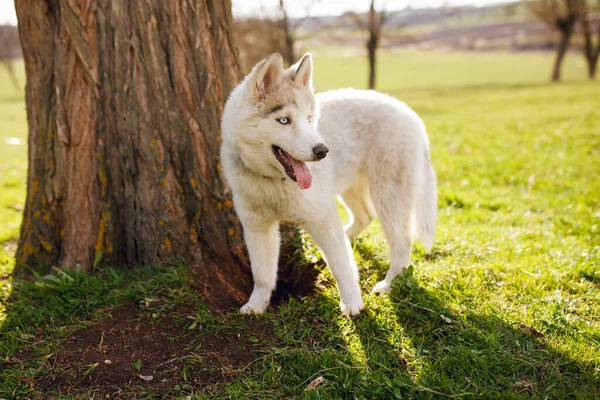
372 53
124 100
290 57
590 52
374 26
563 46
11 73
592 64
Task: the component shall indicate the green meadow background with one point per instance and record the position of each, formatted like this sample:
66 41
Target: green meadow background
507 305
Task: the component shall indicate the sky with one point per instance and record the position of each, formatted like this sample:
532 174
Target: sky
7 12
296 8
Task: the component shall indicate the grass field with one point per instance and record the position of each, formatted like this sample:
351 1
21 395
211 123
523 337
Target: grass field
507 305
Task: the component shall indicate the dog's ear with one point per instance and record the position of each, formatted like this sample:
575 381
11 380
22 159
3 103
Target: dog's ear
267 74
303 74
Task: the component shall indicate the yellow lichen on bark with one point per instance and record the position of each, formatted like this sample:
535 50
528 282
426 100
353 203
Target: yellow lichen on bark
27 250
193 234
166 244
103 243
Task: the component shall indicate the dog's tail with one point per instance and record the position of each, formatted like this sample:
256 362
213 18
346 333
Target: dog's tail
426 211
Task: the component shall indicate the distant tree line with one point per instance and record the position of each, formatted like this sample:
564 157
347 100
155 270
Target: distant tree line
10 49
564 16
257 37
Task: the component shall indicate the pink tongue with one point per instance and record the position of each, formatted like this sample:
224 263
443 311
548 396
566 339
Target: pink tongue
303 176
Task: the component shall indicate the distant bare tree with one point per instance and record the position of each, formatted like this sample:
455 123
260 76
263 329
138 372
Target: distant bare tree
258 35
256 38
9 50
290 33
374 26
561 15
376 22
11 72
590 51
290 57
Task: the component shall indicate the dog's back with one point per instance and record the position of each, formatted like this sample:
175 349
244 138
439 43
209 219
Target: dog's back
379 148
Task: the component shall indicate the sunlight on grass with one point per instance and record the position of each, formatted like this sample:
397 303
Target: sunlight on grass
13 175
506 304
352 341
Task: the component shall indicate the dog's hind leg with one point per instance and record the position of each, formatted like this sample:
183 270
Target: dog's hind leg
357 201
394 200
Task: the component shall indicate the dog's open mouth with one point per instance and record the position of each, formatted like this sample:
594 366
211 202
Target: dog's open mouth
295 169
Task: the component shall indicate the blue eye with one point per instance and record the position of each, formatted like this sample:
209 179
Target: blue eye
283 120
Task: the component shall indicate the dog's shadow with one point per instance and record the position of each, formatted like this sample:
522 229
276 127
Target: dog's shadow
379 261
427 349
430 347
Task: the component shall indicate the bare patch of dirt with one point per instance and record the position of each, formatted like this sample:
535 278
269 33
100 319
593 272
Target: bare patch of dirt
296 277
127 354
10 246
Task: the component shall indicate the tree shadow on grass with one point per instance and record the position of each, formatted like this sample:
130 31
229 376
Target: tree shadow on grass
412 344
470 355
476 87
14 99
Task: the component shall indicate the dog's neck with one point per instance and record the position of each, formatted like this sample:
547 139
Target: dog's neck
244 169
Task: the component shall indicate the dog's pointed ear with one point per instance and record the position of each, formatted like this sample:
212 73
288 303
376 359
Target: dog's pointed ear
303 74
267 74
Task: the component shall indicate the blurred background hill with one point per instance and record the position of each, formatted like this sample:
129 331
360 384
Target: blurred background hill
505 26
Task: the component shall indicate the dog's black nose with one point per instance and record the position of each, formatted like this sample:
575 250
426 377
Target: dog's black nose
320 151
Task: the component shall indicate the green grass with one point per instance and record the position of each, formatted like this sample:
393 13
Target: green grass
13 167
432 70
13 173
507 305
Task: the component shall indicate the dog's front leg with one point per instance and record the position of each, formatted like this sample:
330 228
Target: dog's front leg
262 239
327 231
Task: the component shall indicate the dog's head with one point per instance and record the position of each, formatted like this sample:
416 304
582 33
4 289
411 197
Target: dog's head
271 120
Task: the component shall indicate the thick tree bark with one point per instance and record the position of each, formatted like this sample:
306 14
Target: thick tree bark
565 31
124 100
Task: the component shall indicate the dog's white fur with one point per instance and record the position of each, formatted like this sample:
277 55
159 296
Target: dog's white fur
378 162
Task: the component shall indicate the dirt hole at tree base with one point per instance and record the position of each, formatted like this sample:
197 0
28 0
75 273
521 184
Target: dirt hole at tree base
117 355
128 353
131 352
293 280
296 277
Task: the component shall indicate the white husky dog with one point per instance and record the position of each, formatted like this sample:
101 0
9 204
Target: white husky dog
372 150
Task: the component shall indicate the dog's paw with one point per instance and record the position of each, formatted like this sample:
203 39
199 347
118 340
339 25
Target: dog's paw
253 308
382 287
352 308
